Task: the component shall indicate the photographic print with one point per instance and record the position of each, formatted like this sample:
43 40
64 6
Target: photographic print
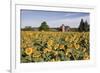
51 36
54 36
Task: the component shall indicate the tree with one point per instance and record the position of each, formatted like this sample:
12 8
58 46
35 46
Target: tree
81 26
27 28
44 26
84 26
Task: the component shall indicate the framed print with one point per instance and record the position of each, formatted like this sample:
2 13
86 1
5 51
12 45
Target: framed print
51 36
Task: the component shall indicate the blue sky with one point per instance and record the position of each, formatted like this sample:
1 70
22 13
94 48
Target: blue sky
34 18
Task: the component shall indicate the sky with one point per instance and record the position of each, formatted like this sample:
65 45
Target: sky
34 18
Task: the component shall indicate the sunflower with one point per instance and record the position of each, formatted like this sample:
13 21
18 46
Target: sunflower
67 53
28 51
36 54
50 42
66 38
47 50
55 53
77 46
74 46
84 49
86 56
56 46
61 46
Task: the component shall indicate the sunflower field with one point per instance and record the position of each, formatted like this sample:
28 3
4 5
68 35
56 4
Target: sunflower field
54 46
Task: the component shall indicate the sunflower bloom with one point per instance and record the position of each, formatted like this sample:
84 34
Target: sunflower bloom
50 42
66 39
61 46
55 53
47 50
36 54
86 56
56 46
28 51
77 46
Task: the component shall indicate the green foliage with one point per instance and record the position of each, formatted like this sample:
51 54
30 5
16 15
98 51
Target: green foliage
27 28
54 46
44 26
84 26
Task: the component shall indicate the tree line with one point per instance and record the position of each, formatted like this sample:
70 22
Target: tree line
83 27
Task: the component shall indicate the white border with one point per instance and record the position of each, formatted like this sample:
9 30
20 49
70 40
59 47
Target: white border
15 59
